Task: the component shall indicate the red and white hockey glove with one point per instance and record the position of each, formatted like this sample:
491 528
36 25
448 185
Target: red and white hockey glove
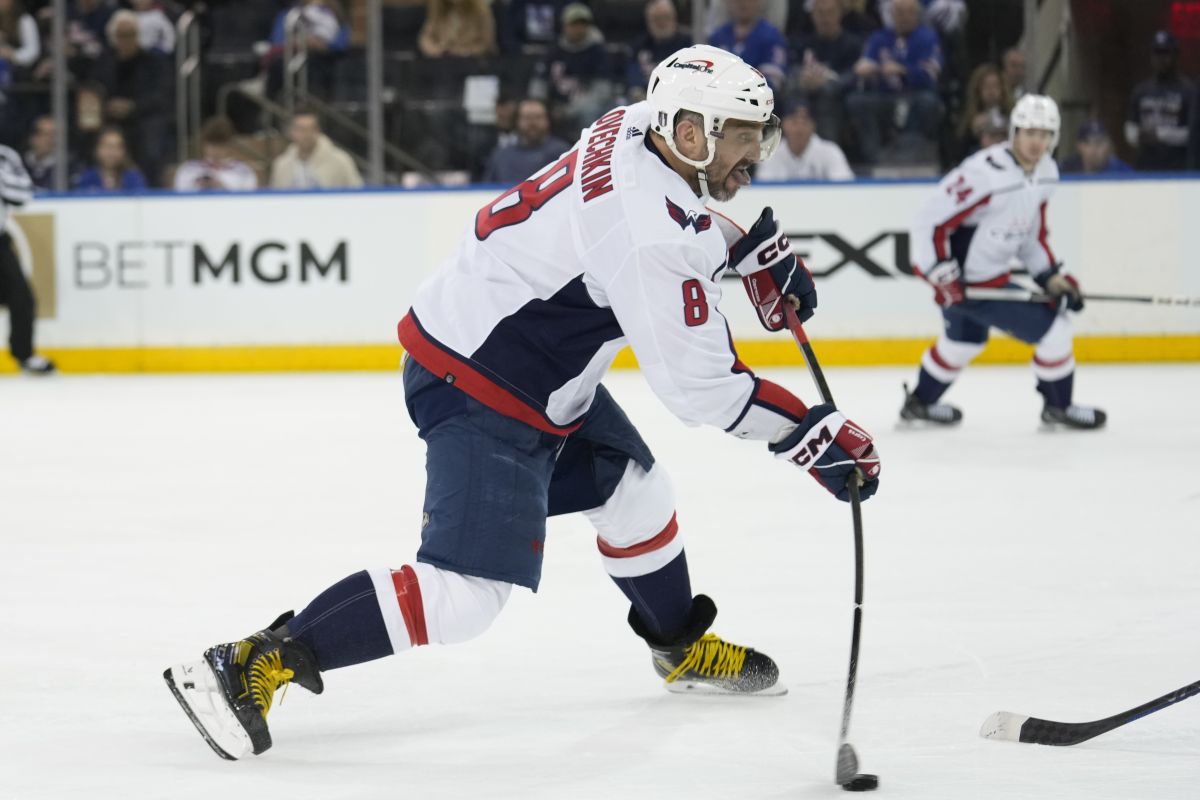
946 279
1062 285
831 448
771 272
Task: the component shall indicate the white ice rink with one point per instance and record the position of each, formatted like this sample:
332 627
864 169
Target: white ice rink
1056 574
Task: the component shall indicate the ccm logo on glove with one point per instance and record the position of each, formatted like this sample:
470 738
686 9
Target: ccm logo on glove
768 254
831 448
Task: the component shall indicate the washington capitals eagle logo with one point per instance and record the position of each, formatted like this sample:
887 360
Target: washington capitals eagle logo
699 222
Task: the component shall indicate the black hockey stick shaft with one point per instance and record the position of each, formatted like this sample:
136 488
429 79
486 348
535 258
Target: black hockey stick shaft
1018 295
847 761
1043 731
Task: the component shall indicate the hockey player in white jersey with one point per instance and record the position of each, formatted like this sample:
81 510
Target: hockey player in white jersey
985 214
506 346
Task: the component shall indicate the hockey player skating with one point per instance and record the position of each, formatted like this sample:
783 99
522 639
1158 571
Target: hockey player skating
983 215
507 343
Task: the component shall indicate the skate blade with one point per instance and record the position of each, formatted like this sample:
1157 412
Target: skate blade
199 693
710 690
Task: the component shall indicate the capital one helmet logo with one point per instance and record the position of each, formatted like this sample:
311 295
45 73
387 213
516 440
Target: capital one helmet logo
696 64
33 241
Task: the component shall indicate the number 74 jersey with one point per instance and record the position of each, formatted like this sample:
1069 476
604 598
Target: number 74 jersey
605 247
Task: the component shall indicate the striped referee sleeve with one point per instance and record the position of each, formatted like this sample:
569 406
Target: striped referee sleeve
16 187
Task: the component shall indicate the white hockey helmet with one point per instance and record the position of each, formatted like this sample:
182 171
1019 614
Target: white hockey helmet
1036 111
718 86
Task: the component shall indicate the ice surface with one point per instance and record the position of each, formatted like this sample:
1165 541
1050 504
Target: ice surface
1054 574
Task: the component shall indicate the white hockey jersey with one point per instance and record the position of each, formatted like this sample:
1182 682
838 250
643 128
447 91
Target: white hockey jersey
607 246
986 213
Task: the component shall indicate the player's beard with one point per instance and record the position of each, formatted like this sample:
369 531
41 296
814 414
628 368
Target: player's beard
723 185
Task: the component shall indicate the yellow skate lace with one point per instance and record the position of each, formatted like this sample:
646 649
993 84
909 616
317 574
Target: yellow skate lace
711 657
267 674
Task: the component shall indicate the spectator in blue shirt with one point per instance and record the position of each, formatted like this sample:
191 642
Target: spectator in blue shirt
534 148
1093 152
113 171
897 80
749 36
533 22
661 39
824 66
326 34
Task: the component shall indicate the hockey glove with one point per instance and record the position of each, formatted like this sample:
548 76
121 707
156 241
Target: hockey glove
771 272
946 279
831 448
1063 286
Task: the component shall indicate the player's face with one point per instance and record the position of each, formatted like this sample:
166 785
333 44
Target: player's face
738 149
1030 144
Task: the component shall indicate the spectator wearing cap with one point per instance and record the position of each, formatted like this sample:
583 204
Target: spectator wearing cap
577 76
824 66
662 38
804 156
1093 152
138 88
217 169
534 148
749 36
896 84
1160 111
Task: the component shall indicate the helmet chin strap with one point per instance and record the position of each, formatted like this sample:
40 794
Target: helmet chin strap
701 166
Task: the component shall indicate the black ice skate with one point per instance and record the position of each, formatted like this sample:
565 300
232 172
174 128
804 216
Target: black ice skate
37 365
703 663
914 410
227 694
1082 418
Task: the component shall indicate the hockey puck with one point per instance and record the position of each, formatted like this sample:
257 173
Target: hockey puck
862 783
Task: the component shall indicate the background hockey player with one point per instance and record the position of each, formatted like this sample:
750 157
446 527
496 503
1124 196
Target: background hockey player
507 344
983 215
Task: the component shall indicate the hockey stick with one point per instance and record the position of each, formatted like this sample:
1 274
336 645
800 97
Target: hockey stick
1031 730
1031 296
847 774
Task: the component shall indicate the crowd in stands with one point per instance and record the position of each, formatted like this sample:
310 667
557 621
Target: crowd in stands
863 86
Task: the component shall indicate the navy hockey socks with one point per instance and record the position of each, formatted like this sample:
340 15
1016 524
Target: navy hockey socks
343 624
929 389
1057 393
663 598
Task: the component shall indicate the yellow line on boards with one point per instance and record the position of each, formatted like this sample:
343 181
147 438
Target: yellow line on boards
755 352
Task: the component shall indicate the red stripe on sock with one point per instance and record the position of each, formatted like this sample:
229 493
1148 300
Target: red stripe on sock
408 596
1052 364
660 540
941 362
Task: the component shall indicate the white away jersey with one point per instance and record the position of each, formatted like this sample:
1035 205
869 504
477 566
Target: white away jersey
986 213
607 246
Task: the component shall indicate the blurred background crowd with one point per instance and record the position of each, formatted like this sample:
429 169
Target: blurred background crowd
241 94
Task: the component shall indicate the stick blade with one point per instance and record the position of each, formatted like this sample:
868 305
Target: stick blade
847 763
1003 725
